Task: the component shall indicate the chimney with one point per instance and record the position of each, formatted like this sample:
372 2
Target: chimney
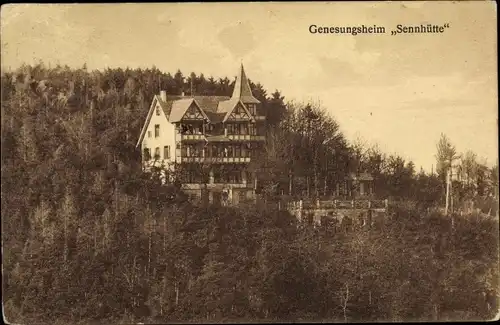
163 95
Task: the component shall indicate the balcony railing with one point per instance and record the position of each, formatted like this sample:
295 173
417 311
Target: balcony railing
246 137
232 137
214 159
193 137
239 136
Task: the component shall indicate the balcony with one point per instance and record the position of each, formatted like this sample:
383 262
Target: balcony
213 160
258 137
193 137
246 137
239 137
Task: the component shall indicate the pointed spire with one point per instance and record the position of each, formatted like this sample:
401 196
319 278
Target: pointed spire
242 88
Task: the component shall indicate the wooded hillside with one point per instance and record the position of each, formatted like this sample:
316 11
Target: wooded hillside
88 237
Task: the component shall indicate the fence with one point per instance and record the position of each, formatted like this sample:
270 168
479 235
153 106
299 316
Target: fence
338 204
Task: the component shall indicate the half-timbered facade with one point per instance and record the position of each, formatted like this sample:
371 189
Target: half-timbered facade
207 141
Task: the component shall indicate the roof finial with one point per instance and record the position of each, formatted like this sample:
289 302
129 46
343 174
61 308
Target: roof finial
192 95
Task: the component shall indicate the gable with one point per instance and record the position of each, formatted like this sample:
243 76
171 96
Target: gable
153 109
239 113
193 113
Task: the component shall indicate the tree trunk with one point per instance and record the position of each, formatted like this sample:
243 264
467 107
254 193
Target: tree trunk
164 233
149 243
95 237
451 191
65 237
176 294
344 300
447 193
435 312
316 182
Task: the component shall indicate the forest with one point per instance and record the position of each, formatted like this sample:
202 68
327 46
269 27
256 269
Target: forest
89 238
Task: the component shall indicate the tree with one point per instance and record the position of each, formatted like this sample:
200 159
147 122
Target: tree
446 155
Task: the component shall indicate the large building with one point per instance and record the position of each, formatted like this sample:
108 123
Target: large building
206 141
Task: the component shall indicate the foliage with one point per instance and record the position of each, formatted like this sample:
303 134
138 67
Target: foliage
88 237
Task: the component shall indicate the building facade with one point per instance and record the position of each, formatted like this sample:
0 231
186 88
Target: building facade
356 186
207 142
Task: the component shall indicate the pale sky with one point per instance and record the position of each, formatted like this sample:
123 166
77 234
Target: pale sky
398 91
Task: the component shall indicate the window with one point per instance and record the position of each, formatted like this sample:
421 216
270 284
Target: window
147 154
157 152
237 150
251 129
166 152
244 129
149 134
157 111
157 130
251 108
230 151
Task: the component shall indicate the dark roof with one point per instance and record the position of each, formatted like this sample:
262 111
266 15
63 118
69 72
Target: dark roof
165 106
208 105
215 108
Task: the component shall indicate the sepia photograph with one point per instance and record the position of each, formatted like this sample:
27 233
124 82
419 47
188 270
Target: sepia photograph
258 162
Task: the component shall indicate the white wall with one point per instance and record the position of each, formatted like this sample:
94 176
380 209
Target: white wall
165 138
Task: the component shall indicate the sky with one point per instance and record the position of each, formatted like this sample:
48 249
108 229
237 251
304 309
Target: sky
399 92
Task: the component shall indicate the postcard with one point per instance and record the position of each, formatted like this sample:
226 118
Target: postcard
249 162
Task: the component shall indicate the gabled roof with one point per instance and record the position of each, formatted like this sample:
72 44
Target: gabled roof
214 108
242 89
208 105
179 108
226 108
164 107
